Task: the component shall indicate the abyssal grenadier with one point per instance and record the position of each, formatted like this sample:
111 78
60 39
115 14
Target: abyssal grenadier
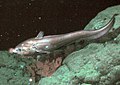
46 44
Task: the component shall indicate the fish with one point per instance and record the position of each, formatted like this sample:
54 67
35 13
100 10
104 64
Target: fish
47 44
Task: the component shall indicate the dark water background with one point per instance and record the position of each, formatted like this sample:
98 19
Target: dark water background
23 19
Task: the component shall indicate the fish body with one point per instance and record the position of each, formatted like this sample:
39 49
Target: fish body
46 44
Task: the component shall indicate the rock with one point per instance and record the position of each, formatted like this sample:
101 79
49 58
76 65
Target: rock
95 64
103 17
112 76
12 70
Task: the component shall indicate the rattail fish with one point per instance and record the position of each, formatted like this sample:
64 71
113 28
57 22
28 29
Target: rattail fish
46 44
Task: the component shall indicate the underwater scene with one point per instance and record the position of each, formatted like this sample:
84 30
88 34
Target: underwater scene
89 55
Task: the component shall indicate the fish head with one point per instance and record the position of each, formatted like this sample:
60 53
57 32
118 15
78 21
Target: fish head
24 48
19 51
32 46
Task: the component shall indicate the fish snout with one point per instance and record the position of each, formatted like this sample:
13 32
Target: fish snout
11 50
19 51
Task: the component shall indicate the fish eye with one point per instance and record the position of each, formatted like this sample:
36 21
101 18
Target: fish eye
19 49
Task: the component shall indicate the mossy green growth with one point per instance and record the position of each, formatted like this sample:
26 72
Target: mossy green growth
12 70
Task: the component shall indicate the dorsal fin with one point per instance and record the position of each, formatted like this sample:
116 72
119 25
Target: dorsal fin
40 35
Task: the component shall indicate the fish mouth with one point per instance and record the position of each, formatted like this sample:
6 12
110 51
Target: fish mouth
12 50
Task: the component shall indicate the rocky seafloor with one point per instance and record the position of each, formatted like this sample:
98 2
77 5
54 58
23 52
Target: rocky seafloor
97 63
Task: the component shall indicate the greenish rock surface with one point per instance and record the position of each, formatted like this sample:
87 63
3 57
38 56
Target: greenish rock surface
12 70
95 64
